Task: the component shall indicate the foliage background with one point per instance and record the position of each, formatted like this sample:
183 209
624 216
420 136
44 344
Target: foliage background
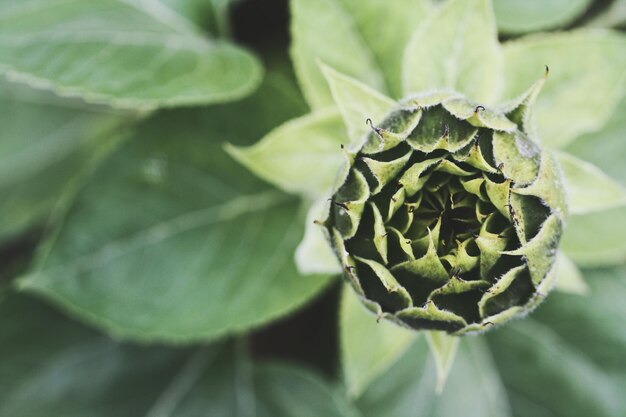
95 323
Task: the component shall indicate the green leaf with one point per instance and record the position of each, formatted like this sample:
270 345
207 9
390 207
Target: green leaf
198 12
408 388
369 347
284 391
580 94
324 30
46 143
221 9
612 16
473 366
362 39
596 239
551 369
59 368
444 348
210 15
589 189
15 257
457 48
404 389
567 359
213 16
606 147
301 156
569 279
357 103
386 27
514 16
594 325
314 254
123 53
173 240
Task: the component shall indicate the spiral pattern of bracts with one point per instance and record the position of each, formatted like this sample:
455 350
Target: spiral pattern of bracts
448 216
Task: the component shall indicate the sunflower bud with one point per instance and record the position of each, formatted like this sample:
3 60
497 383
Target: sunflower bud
449 215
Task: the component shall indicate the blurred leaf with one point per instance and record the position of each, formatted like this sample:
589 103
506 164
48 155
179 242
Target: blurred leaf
45 143
568 359
314 255
123 53
444 348
357 103
594 325
514 16
596 239
607 147
360 38
580 94
589 189
173 240
324 30
284 391
59 368
210 15
612 16
457 48
368 347
199 12
569 279
221 12
386 27
15 256
301 156
407 389
548 377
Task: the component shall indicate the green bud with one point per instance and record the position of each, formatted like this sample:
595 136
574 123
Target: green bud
449 215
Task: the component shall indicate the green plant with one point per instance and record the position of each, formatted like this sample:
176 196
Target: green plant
455 49
159 235
449 216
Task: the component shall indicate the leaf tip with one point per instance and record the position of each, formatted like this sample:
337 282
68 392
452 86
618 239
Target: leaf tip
444 348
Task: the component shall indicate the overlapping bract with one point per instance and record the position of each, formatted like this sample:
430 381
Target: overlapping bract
449 215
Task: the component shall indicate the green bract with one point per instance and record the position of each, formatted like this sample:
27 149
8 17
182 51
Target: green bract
449 215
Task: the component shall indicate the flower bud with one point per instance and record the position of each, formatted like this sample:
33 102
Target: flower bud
448 216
